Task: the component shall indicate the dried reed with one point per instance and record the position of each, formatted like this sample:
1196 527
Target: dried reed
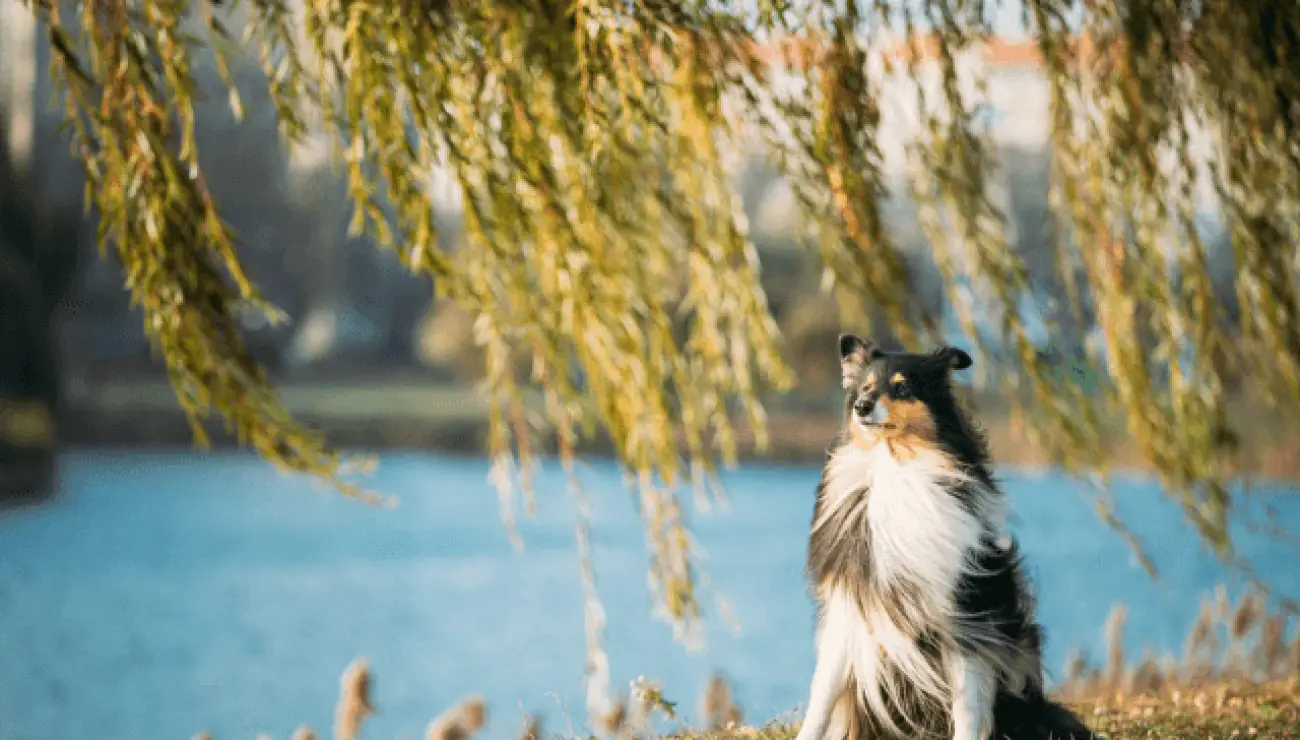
354 700
532 728
718 707
1255 650
459 722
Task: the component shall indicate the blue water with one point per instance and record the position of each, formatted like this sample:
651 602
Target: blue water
166 594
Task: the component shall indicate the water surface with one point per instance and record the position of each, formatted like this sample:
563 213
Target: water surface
166 594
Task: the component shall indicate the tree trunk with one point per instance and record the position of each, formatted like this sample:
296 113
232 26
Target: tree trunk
37 258
28 384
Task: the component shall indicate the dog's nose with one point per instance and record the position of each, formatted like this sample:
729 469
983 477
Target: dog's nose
863 407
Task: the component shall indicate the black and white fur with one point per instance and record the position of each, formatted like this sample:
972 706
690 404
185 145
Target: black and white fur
926 624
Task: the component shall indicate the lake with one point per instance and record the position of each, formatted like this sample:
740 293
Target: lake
163 594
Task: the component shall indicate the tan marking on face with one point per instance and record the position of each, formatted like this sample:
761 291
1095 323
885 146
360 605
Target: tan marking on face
898 378
911 428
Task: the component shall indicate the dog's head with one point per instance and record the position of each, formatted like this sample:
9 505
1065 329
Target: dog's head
899 396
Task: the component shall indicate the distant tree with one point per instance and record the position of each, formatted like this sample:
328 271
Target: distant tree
593 141
38 250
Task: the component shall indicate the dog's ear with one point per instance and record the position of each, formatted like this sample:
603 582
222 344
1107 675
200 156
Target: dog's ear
855 353
957 359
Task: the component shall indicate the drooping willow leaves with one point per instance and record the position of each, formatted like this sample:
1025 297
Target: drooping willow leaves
604 248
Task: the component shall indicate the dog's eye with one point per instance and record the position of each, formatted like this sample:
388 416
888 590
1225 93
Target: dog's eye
898 389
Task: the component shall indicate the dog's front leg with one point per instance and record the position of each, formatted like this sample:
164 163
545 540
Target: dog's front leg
830 678
974 687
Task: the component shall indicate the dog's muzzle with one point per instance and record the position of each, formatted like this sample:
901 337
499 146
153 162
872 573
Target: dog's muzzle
863 407
869 412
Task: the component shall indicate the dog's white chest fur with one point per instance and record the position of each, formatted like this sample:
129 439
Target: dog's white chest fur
917 528
920 534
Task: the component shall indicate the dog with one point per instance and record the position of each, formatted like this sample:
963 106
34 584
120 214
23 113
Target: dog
925 620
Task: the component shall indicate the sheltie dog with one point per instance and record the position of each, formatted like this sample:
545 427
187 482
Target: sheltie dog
925 624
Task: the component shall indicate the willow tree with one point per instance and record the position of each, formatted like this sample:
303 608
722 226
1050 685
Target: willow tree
604 250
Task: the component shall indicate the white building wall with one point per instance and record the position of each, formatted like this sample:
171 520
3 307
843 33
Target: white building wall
18 80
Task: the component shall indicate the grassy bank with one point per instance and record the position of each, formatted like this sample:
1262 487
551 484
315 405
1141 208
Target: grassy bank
1211 710
1219 710
1238 677
1227 709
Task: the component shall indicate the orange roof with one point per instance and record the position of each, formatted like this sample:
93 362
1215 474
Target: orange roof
799 51
790 51
997 51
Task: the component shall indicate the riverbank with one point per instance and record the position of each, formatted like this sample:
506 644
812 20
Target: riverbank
1214 710
406 414
1219 710
1238 677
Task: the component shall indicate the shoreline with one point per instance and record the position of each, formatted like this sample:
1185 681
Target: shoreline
413 416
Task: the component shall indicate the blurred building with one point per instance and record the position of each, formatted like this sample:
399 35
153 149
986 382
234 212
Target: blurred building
1014 102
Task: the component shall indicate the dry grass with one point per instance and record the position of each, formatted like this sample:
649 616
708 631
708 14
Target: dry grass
1219 709
1238 677
775 731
